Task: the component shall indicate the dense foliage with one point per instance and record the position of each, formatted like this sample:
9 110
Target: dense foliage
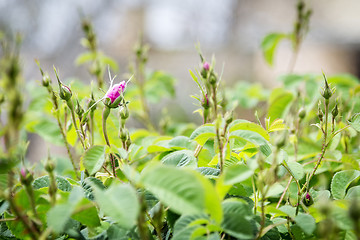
292 174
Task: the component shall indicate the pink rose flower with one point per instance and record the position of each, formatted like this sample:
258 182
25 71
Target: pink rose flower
116 90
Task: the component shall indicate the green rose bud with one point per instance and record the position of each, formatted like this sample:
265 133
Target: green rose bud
302 113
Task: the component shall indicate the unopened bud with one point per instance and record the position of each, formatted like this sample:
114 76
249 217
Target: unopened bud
308 200
78 109
206 66
128 140
205 70
213 79
320 113
64 91
26 177
91 103
123 134
124 112
229 117
335 111
46 80
327 91
205 102
49 166
302 113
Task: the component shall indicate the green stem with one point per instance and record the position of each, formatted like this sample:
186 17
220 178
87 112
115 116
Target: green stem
105 115
72 111
92 127
198 150
7 219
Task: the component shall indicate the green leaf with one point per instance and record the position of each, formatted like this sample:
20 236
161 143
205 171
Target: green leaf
85 57
269 44
48 130
93 159
183 190
208 171
288 210
341 181
181 142
3 181
203 133
296 169
277 125
186 225
353 193
17 228
250 127
180 158
88 185
89 216
44 181
249 136
355 122
343 80
108 61
236 174
237 219
279 102
120 203
58 216
306 222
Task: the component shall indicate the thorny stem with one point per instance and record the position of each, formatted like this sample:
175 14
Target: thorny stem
323 150
214 101
298 186
141 219
262 221
220 143
56 107
268 228
254 190
285 190
30 193
66 144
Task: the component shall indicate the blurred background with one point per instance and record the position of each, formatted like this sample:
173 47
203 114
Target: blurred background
232 30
